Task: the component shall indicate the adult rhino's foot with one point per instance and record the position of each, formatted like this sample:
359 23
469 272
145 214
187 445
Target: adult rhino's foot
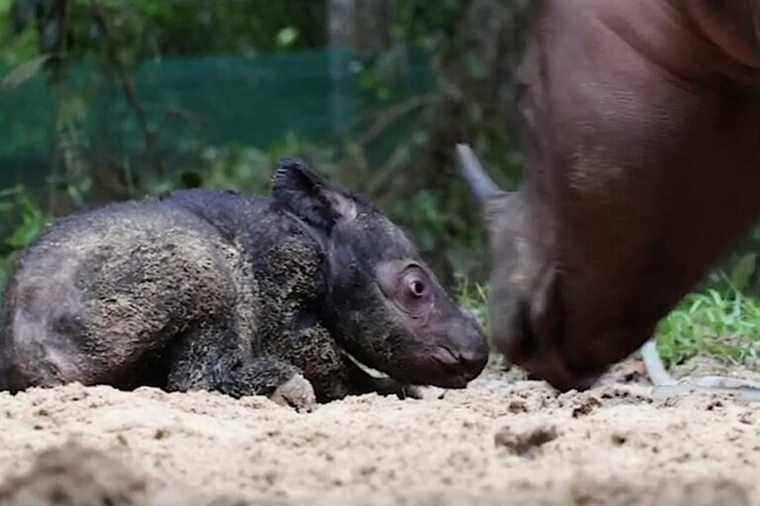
296 393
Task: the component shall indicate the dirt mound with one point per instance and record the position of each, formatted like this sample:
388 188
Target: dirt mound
498 442
74 475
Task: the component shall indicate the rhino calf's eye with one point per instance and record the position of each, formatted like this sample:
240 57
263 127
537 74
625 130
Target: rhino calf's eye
417 287
414 290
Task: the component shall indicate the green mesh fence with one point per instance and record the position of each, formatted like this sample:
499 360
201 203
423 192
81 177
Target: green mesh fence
187 103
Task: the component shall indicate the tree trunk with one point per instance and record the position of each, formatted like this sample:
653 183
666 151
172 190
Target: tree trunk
357 30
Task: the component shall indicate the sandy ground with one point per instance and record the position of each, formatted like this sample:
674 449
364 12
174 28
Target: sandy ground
501 441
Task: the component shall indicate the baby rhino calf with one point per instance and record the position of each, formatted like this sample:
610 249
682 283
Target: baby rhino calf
299 297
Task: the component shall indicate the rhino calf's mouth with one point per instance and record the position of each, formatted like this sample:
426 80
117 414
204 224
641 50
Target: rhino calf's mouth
373 373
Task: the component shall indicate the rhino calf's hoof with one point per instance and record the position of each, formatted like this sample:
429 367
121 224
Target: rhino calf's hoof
297 393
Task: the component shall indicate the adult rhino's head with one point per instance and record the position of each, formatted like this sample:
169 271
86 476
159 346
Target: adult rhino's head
640 121
384 305
526 306
557 309
582 274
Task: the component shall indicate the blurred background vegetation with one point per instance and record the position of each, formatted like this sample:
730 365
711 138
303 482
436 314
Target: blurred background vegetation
113 99
105 100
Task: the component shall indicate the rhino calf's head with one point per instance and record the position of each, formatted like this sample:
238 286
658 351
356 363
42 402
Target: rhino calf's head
384 305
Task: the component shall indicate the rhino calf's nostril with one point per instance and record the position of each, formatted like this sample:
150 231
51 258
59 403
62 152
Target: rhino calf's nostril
472 360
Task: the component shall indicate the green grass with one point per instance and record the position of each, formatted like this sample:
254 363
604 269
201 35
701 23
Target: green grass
474 297
721 322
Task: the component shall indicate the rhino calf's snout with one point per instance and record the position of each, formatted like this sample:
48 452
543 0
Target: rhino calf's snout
473 352
466 364
465 354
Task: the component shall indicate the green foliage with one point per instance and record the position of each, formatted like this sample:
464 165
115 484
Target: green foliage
741 274
136 29
31 217
28 220
415 103
16 46
245 167
472 45
23 72
32 223
88 51
721 321
473 296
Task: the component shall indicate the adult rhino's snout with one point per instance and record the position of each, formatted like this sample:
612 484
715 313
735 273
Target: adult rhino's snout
531 334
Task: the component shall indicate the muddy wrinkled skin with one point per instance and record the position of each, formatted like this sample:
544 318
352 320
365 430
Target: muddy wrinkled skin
642 125
288 297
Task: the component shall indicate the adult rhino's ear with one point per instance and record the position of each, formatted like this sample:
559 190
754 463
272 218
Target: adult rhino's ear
310 196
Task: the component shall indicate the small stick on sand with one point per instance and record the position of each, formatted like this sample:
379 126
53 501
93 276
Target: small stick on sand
666 386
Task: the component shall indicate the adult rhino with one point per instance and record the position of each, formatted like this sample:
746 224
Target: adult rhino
642 126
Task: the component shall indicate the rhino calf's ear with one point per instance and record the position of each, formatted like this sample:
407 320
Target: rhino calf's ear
311 197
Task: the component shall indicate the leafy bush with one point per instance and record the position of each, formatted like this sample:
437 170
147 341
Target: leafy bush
29 220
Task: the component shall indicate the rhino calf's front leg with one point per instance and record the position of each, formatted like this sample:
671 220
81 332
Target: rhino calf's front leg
283 383
211 359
